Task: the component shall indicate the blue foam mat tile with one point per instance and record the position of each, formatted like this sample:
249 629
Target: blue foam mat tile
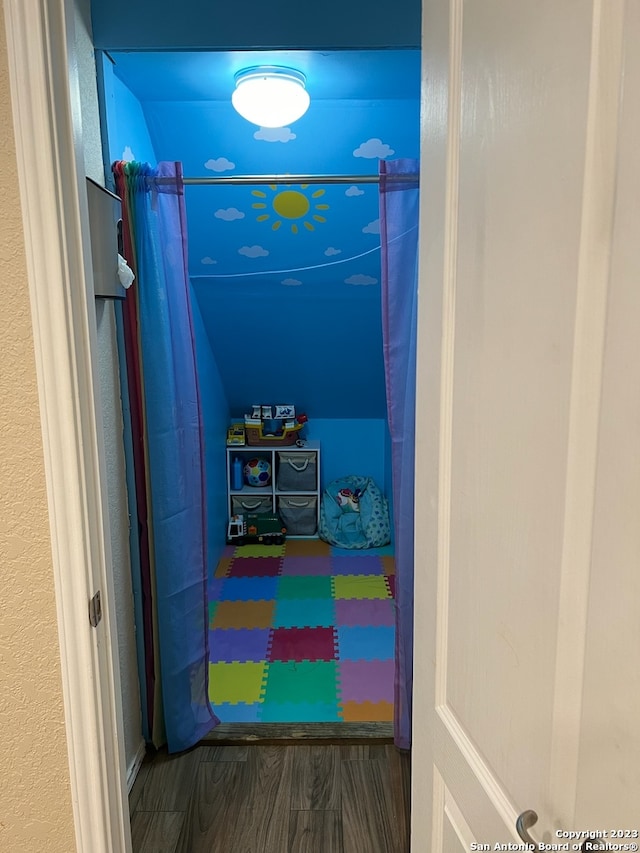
359 642
301 712
366 564
248 589
304 613
242 712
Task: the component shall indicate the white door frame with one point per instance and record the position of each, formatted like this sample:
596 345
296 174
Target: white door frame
47 127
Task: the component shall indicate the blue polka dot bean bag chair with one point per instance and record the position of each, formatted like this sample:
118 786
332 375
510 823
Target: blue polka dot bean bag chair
354 514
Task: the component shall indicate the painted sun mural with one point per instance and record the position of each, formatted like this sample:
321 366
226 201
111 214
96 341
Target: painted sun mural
299 208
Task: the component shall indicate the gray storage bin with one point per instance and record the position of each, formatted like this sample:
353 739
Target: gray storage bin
299 514
240 505
297 471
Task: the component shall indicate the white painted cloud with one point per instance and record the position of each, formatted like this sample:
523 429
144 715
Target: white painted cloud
372 227
253 252
373 149
207 260
354 191
229 214
220 164
291 282
360 279
128 155
331 251
274 134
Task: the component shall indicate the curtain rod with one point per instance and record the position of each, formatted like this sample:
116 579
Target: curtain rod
288 179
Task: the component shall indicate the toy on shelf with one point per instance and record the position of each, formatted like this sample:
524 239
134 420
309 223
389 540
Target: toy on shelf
235 434
262 529
267 430
257 473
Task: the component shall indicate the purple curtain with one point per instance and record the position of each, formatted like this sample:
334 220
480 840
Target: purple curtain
171 424
399 196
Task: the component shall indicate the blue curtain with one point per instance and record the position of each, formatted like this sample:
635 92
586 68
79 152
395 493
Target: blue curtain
399 197
172 447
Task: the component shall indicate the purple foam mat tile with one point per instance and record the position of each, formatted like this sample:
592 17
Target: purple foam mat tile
372 611
366 680
227 645
370 565
215 588
307 566
267 653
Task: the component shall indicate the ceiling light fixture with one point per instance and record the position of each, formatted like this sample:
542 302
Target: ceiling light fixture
270 96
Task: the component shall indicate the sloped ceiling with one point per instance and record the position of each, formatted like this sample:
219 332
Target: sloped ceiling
278 24
287 277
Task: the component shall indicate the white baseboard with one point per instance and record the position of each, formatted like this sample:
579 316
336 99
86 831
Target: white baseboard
132 771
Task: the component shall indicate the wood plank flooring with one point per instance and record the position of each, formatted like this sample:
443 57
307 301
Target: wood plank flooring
273 799
276 733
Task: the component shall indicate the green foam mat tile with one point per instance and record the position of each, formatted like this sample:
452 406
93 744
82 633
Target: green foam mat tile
359 586
304 587
301 681
236 682
259 551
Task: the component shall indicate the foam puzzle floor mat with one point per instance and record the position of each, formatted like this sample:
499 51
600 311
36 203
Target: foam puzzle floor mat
302 632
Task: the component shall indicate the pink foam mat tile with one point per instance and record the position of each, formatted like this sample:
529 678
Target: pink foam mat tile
391 583
302 644
254 567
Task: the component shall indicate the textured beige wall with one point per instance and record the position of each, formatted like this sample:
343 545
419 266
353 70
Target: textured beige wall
35 801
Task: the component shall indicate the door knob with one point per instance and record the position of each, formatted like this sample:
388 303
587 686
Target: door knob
524 823
529 818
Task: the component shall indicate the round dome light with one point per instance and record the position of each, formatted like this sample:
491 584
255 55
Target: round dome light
270 96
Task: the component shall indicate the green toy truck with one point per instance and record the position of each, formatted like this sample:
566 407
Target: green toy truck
256 529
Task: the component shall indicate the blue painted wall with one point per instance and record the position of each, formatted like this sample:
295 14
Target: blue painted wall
285 280
303 234
287 277
351 446
321 350
125 135
138 24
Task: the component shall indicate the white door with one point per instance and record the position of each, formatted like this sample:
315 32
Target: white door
527 670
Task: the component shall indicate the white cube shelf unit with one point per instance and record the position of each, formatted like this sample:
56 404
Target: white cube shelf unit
293 490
